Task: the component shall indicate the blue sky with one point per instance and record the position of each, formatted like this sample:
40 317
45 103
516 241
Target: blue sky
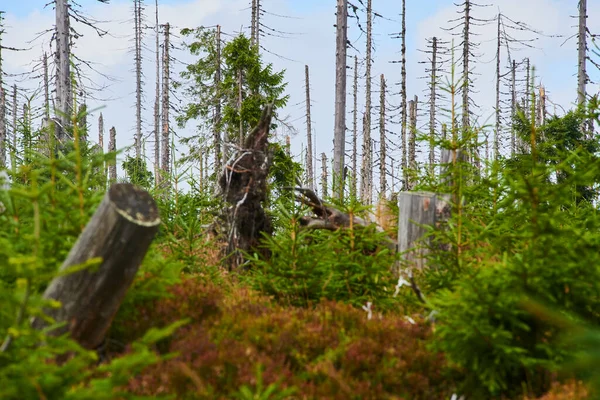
312 44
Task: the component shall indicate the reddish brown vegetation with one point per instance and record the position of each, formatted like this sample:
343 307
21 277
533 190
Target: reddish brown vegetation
330 352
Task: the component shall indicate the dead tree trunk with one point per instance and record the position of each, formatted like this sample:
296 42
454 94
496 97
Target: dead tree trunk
2 128
432 110
513 107
310 177
253 22
64 97
339 138
465 75
324 175
101 132
217 121
498 111
416 211
582 77
118 235
166 145
412 143
244 186
13 157
137 11
368 158
527 108
157 103
354 131
403 121
46 86
382 139
112 147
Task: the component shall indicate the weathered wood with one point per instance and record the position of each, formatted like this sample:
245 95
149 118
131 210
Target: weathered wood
416 211
339 135
119 233
244 186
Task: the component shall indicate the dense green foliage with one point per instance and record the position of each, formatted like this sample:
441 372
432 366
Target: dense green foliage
525 233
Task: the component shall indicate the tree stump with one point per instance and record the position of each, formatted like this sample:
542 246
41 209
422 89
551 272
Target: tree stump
416 211
119 234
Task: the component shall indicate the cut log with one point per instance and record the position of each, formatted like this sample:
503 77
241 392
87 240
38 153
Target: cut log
119 234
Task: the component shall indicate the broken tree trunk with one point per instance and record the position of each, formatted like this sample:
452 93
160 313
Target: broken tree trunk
244 186
119 235
416 211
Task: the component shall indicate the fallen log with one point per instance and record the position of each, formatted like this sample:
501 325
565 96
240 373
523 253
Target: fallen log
328 217
118 235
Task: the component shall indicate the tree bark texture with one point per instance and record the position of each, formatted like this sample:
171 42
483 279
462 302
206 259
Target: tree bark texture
354 131
244 186
417 210
119 235
339 139
64 95
310 177
2 127
112 147
166 145
582 77
382 141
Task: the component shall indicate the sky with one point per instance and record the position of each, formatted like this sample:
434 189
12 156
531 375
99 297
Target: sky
310 41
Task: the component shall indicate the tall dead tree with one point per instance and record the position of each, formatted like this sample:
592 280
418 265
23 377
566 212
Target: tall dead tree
498 111
403 98
309 156
217 121
339 139
253 22
157 101
15 132
582 77
367 168
166 145
513 107
382 141
412 143
432 102
324 175
62 55
465 74
137 17
2 128
354 182
112 147
101 132
46 84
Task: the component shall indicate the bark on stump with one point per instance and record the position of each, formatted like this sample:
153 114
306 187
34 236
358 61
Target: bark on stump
119 233
416 211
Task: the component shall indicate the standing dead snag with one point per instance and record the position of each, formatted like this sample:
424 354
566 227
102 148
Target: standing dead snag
243 185
119 234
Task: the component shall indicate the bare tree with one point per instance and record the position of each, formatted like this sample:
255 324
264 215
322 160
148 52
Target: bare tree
403 99
137 16
513 107
157 101
339 140
166 147
112 147
582 77
382 139
101 132
367 167
309 156
2 128
354 130
412 143
64 99
324 175
217 120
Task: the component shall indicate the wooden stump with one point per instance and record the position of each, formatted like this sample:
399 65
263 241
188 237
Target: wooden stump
119 233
